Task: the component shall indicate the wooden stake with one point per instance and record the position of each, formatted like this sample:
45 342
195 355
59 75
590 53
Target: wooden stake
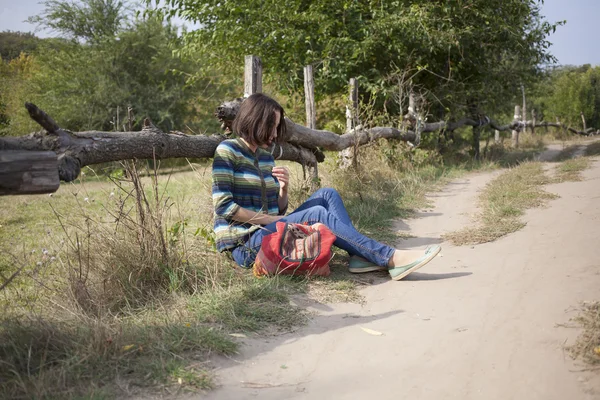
309 97
515 132
524 115
252 75
352 107
476 139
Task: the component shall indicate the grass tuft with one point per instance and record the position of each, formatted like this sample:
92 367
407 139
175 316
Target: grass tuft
503 201
570 170
587 347
252 306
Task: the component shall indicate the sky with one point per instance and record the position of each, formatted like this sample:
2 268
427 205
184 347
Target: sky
575 43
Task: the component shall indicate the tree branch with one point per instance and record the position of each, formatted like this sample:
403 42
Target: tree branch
514 125
326 140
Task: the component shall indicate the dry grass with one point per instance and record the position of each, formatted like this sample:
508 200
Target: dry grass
503 201
570 170
587 347
122 291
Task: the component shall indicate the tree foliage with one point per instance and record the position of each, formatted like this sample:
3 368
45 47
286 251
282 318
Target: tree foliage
459 51
89 20
105 61
12 44
567 92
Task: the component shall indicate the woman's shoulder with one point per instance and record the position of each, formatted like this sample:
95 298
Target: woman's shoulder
229 143
229 146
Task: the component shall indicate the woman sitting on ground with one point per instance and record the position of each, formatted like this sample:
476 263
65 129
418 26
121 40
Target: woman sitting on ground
250 194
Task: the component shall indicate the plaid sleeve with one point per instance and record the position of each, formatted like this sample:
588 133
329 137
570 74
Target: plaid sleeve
222 182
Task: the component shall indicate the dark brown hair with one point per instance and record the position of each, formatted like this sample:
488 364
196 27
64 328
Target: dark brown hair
255 120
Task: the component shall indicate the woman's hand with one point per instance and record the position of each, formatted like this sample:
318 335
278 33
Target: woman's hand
283 176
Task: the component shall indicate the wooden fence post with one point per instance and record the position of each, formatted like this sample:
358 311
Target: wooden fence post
560 126
252 75
476 139
311 121
348 155
309 97
524 110
515 132
352 107
583 120
496 136
411 103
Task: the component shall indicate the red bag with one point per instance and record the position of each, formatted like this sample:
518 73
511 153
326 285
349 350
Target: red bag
295 249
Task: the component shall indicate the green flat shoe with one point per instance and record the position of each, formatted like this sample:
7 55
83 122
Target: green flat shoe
400 272
358 265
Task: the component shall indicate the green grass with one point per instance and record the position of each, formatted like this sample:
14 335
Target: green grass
43 358
503 201
257 304
149 348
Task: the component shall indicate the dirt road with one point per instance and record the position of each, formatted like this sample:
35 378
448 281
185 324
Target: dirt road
480 322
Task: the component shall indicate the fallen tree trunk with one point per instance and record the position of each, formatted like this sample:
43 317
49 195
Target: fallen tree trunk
78 149
75 150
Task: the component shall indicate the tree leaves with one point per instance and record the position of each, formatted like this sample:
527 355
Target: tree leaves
476 49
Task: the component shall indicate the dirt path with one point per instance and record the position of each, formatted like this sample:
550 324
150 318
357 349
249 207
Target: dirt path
479 322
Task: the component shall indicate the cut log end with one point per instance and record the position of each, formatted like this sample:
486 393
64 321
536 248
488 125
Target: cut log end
28 172
68 169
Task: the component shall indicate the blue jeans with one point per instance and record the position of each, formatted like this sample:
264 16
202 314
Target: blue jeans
324 206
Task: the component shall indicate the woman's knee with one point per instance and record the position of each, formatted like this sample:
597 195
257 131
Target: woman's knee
327 191
315 213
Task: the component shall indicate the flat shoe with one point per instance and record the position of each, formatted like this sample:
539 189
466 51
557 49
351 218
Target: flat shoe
359 266
398 273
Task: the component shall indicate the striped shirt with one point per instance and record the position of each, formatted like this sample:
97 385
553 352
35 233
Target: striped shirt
241 178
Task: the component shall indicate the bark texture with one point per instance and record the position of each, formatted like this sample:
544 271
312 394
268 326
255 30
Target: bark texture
28 172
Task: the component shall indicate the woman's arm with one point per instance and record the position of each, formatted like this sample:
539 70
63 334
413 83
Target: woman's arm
245 215
283 176
282 202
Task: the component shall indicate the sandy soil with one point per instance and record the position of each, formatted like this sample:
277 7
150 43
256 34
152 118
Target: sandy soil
481 322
